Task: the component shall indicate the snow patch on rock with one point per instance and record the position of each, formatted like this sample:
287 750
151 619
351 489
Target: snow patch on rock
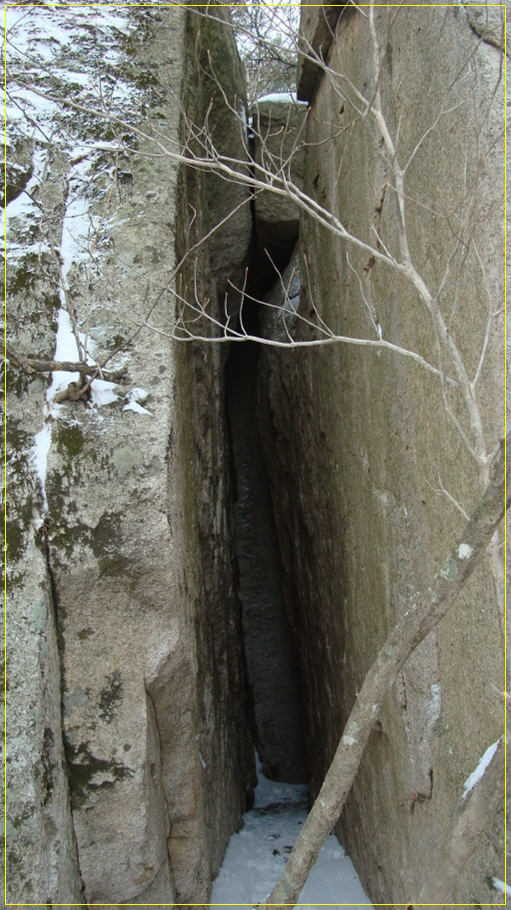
476 775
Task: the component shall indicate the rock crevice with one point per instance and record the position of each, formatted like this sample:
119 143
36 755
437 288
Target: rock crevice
209 554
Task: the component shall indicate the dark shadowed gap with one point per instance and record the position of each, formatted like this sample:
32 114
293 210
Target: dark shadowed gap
272 669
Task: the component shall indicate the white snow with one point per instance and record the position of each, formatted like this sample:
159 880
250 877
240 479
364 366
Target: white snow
40 450
133 403
476 775
66 46
59 51
500 885
138 394
65 349
137 408
257 854
464 551
348 740
102 393
280 98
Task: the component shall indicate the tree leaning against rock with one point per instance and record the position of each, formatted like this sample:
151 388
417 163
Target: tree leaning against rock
195 322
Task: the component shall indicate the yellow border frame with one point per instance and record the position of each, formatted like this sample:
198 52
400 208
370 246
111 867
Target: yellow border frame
184 5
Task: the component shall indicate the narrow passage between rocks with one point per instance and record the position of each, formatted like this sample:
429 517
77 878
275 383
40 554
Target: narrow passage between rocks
257 854
273 675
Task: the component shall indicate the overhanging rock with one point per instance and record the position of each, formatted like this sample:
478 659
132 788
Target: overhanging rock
279 124
317 28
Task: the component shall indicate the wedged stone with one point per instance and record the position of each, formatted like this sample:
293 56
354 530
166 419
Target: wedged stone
279 125
317 31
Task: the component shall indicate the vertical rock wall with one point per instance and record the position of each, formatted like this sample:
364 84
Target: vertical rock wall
129 759
369 461
129 752
41 852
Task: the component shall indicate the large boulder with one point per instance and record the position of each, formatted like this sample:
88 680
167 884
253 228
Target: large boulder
371 453
130 760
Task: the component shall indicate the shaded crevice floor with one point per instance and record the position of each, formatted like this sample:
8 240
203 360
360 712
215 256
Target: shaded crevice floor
273 673
258 852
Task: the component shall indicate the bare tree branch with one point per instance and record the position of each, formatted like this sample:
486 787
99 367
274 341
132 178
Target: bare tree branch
42 365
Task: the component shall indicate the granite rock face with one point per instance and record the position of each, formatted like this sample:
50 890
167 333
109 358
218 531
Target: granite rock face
130 760
41 852
129 744
367 459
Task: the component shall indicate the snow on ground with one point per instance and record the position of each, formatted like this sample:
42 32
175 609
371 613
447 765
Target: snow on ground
257 854
280 98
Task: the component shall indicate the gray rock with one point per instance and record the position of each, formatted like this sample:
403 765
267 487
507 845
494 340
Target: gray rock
227 202
317 30
130 757
279 131
360 445
41 851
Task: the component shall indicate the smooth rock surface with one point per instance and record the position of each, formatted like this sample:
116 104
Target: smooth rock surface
367 465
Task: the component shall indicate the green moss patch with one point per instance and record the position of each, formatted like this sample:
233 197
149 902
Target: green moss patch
70 440
84 767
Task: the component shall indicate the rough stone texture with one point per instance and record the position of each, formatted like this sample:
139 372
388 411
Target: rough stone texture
227 203
129 758
134 560
489 23
361 444
41 853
